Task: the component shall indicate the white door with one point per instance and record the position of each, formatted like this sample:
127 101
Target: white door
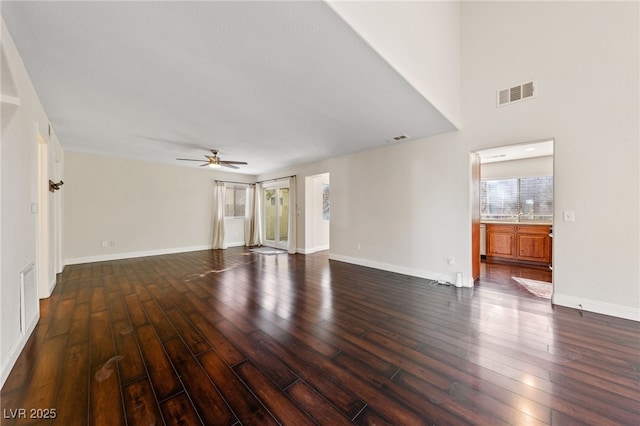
276 215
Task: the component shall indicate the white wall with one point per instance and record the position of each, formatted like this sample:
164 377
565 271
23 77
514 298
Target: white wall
529 167
403 208
143 208
19 190
419 39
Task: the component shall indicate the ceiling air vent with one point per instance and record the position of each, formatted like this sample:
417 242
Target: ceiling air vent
517 93
398 138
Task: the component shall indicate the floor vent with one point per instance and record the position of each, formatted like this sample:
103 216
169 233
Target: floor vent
517 93
28 297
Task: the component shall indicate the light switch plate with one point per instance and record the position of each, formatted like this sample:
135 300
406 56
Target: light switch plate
568 216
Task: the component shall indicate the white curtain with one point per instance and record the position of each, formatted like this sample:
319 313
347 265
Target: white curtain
253 216
218 216
293 214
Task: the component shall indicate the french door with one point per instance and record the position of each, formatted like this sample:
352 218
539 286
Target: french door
276 215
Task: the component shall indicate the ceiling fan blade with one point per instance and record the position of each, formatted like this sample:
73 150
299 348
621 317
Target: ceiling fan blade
232 162
187 159
203 165
225 164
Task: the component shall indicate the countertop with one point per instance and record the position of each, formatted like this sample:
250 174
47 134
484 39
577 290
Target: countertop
524 222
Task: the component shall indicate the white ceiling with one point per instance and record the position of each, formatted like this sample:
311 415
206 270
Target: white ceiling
271 83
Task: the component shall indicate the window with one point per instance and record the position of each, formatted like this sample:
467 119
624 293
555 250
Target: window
514 199
235 201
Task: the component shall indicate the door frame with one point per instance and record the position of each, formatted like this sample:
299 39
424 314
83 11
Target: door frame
475 215
274 243
475 208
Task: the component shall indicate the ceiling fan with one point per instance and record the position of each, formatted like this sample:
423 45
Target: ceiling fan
215 162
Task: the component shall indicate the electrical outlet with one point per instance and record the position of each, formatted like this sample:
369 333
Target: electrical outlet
451 260
358 246
105 243
112 243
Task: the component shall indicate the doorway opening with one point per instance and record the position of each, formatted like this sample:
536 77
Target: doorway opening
43 269
317 213
513 214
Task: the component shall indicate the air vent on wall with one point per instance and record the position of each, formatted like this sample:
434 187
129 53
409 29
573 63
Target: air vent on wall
517 93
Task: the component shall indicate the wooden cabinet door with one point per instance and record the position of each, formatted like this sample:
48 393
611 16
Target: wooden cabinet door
533 247
502 244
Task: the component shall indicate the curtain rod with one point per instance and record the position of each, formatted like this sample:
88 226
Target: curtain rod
230 181
270 180
248 183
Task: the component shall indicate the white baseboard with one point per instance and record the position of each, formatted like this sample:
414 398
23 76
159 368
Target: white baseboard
14 352
619 311
235 244
129 255
466 282
313 249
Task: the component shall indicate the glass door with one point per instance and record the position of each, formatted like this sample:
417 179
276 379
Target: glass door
276 216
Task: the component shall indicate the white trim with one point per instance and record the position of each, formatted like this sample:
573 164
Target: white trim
313 249
52 285
619 311
234 244
15 351
132 254
467 282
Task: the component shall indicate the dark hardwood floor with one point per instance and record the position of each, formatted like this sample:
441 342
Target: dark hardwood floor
232 337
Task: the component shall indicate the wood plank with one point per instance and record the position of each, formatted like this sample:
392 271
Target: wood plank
79 328
217 340
140 404
117 310
346 401
435 408
178 411
240 398
272 367
159 321
130 364
105 403
370 417
194 340
98 300
163 378
73 395
135 310
61 320
315 405
278 403
205 397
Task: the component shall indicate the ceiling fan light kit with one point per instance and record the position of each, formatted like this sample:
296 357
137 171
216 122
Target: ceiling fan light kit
214 162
